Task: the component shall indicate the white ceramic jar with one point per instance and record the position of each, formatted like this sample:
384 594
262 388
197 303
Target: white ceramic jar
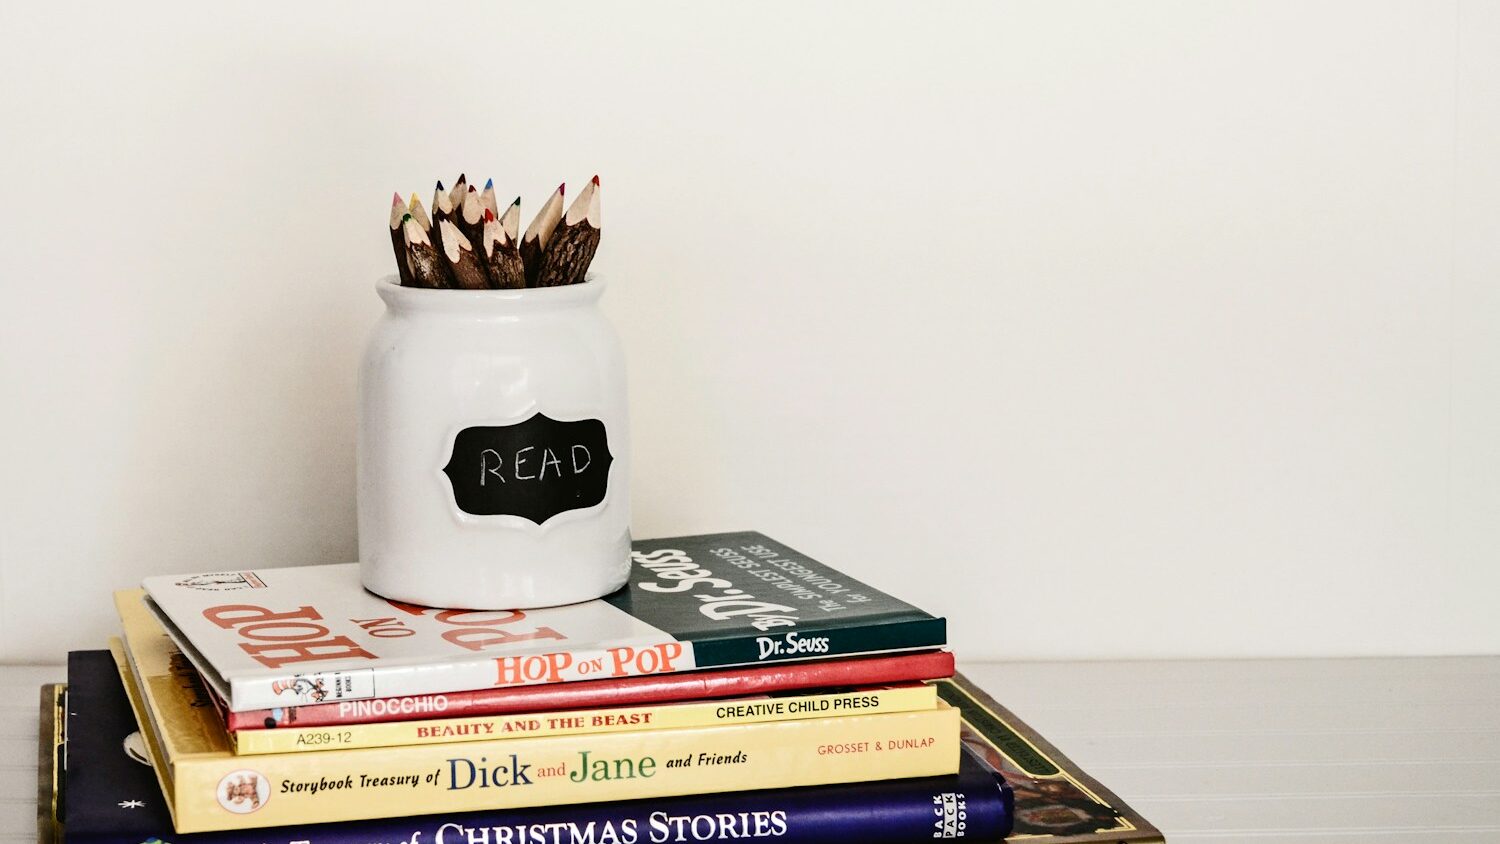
494 455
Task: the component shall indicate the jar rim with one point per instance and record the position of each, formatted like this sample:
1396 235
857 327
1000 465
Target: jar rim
480 301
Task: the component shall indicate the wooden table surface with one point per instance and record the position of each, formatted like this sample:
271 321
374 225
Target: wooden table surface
1315 751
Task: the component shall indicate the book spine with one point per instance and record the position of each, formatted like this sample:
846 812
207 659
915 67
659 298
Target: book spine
217 793
659 688
588 721
977 808
563 666
830 642
569 666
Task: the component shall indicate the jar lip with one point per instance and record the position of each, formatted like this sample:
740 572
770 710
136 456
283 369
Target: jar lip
480 301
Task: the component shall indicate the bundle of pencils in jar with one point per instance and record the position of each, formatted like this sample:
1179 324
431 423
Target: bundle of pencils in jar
469 243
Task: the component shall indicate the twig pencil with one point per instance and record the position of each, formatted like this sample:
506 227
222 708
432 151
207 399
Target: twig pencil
398 241
463 262
471 217
573 244
487 196
460 188
539 233
418 213
427 268
442 204
511 222
501 254
442 209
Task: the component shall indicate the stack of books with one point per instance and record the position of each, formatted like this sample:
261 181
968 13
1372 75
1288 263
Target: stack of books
734 690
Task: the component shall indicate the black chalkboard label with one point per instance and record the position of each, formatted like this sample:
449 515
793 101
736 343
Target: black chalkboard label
533 469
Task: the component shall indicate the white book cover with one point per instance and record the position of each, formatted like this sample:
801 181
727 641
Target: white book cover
280 637
286 637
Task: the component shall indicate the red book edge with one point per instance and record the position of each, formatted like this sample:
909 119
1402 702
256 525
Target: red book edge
589 694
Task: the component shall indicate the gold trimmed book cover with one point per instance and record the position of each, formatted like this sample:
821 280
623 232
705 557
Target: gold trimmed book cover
210 788
115 800
1056 801
50 748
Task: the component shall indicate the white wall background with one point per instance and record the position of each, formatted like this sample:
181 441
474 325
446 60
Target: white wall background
1109 330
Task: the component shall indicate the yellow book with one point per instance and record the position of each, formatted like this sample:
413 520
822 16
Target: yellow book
48 774
209 788
614 719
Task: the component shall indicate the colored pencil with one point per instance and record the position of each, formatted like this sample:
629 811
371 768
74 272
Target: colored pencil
460 188
427 267
398 241
419 213
471 217
539 234
442 209
502 255
463 263
487 196
573 244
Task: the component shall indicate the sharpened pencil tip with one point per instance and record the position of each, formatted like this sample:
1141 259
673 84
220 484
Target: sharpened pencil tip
440 184
517 202
396 200
489 183
489 215
596 180
562 188
473 189
405 217
413 203
462 179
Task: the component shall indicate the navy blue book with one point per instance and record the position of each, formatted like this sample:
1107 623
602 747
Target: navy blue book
110 796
